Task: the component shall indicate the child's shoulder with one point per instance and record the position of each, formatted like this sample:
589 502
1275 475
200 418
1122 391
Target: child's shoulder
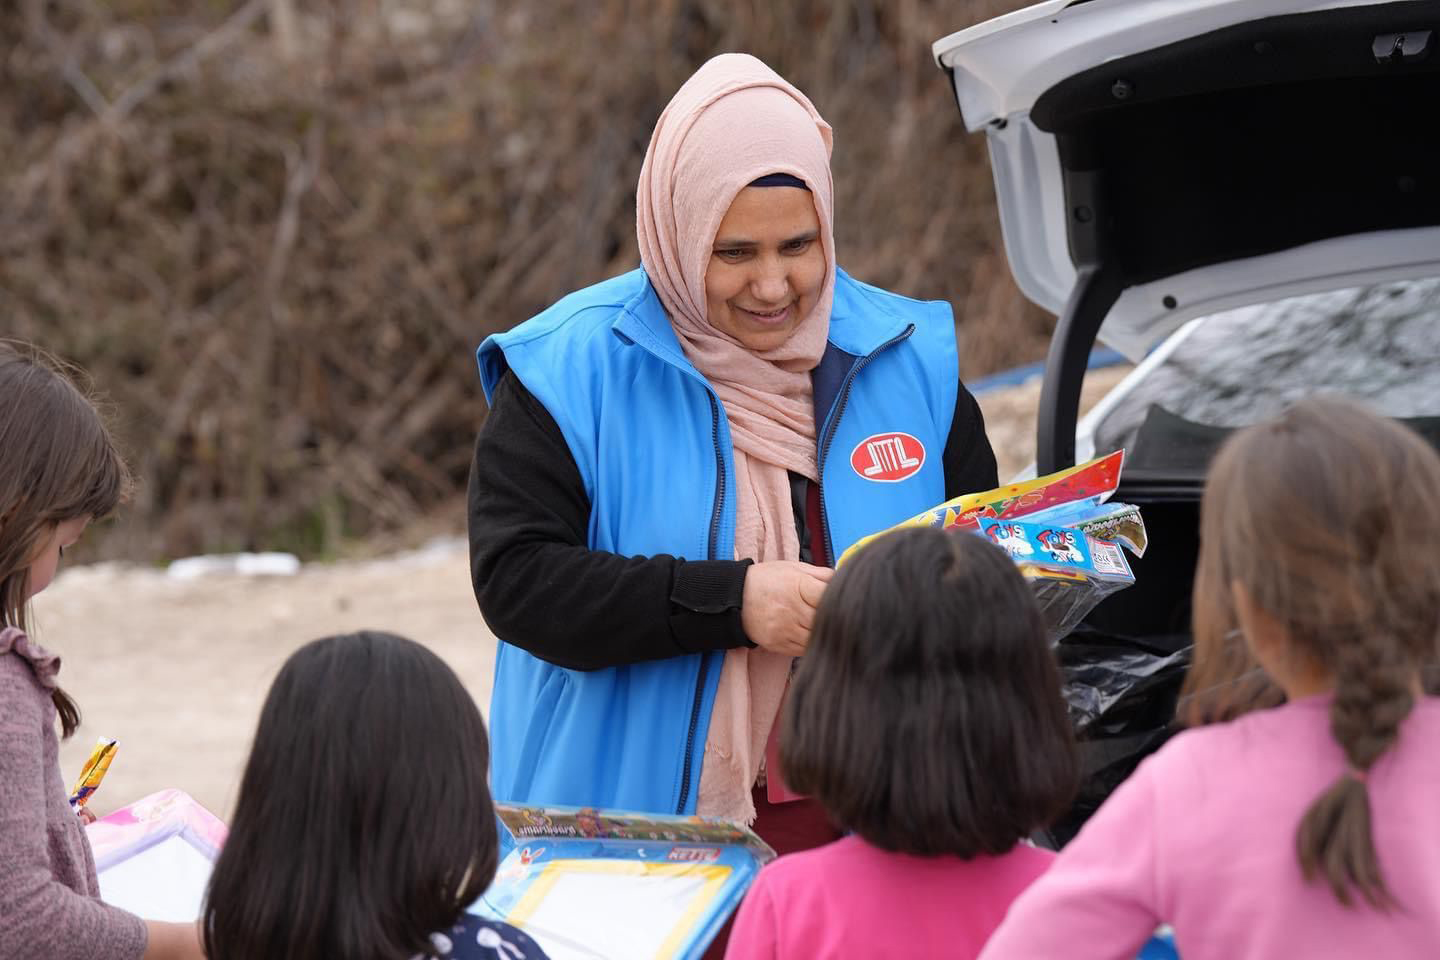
1253 741
24 664
805 861
838 858
852 854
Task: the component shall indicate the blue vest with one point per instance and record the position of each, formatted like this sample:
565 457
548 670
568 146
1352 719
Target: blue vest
652 445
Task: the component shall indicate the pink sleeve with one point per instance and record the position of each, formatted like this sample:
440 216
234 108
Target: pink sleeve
1098 900
756 934
40 916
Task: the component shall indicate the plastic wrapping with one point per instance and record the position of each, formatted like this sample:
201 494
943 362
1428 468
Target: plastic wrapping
93 772
587 884
1065 601
1068 570
1121 695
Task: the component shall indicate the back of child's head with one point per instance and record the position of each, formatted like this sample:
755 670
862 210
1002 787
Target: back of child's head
1327 517
926 715
364 821
57 463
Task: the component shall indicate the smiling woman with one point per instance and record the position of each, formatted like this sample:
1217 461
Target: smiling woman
666 473
768 267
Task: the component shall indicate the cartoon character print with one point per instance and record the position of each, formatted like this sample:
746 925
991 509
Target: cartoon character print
537 818
489 938
588 822
1010 538
475 938
1060 544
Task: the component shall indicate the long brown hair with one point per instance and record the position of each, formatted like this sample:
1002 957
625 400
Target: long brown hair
57 463
1328 516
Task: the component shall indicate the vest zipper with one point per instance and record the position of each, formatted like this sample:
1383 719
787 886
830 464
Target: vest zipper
834 422
710 554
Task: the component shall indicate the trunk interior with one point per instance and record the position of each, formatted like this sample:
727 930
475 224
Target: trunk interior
1127 659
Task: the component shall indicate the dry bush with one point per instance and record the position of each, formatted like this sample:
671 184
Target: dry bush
275 233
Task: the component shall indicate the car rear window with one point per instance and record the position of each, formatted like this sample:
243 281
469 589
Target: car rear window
1379 344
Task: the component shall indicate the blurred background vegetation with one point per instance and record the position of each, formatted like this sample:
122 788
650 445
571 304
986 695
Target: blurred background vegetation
275 231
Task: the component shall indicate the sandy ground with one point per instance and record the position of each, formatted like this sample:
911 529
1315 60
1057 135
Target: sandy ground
177 670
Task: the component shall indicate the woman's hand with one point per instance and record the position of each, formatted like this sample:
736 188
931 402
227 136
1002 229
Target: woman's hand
778 604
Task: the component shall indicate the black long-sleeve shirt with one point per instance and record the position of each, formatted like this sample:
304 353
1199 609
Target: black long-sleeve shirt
541 587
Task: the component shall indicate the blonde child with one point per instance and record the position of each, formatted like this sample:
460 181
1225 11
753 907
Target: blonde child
926 718
1307 829
58 471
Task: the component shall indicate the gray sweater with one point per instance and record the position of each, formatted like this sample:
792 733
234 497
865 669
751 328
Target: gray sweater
49 896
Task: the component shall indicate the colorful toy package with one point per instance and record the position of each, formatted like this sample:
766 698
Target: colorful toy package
586 884
1069 570
155 856
1086 485
1063 534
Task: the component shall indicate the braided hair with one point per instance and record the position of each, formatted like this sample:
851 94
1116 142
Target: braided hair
1325 516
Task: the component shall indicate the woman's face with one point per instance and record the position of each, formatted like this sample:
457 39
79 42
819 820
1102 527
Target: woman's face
767 266
46 558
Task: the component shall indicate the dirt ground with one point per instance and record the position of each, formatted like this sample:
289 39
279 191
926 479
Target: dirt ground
176 669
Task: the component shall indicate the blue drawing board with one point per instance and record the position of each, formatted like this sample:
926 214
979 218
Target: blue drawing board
588 884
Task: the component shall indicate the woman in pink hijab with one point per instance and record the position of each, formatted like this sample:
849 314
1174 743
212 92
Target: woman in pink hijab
674 457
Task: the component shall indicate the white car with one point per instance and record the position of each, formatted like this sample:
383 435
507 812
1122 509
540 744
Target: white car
1242 197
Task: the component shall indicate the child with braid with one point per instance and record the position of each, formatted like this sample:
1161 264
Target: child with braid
1301 816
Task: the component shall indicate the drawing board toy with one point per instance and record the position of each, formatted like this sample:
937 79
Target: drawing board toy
588 884
155 856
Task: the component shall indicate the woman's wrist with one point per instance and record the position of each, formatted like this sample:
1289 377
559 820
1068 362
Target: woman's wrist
705 602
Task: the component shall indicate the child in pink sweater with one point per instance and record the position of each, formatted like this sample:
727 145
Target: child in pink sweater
58 470
926 717
1303 830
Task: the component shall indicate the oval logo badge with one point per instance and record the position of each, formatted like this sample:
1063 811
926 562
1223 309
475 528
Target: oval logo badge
888 457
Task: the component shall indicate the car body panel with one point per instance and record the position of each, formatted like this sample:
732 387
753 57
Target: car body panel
1002 68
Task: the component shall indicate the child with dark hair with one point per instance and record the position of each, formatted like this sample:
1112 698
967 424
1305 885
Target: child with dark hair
364 825
926 719
59 470
1306 829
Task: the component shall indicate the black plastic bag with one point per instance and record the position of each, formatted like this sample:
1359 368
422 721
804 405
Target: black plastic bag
1121 692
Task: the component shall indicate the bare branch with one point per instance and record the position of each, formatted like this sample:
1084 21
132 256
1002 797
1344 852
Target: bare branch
235 27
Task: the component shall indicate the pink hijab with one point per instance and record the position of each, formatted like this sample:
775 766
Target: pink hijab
734 121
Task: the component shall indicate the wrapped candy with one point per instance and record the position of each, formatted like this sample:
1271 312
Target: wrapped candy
93 772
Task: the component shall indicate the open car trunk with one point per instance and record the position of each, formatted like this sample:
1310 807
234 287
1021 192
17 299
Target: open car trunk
1156 162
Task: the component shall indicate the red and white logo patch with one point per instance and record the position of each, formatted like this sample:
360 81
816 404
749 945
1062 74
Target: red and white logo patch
888 457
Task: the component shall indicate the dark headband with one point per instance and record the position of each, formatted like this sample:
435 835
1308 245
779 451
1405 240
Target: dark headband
780 180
